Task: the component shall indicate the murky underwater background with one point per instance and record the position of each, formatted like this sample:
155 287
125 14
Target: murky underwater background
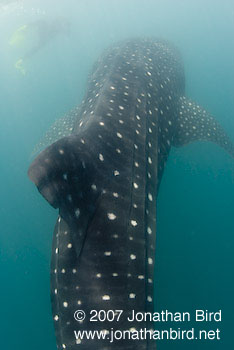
195 241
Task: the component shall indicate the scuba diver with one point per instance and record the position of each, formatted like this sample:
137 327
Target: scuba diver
36 35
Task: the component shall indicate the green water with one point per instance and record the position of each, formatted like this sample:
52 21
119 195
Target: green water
195 261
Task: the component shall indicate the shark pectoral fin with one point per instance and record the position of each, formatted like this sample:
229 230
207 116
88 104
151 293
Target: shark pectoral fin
64 175
194 123
62 127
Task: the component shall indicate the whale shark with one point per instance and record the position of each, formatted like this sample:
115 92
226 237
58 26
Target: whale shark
102 169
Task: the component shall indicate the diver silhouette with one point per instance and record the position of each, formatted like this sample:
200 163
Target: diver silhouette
35 36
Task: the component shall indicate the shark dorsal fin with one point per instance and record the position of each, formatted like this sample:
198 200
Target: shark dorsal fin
194 123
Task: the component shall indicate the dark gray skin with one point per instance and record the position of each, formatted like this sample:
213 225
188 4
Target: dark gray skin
104 178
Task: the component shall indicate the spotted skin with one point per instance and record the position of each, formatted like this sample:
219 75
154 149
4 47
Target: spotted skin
104 178
61 128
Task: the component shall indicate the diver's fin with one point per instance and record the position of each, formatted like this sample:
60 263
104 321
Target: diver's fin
194 123
19 66
18 36
62 127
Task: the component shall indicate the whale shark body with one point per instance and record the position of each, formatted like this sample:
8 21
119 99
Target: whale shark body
103 173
